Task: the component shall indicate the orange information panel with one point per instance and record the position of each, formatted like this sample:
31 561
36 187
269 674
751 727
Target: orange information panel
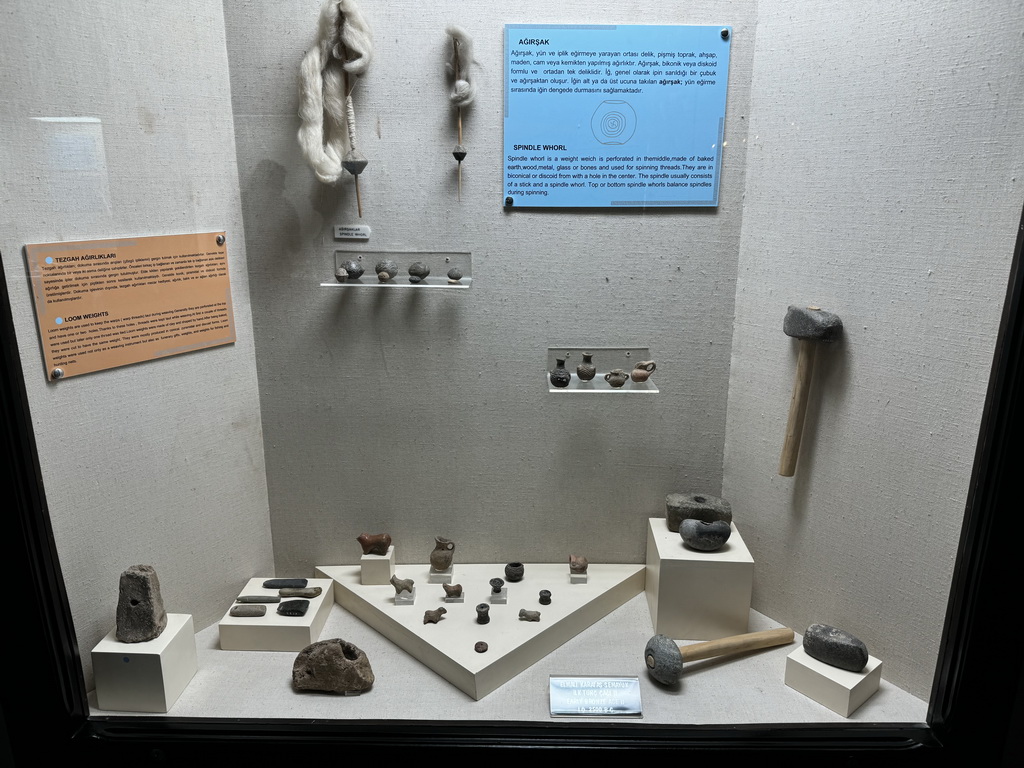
105 303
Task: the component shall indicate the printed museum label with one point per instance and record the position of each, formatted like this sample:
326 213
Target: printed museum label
105 303
586 696
613 115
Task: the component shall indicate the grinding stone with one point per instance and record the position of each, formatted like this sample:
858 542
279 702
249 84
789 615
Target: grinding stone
698 506
706 537
140 607
293 607
248 611
332 665
285 583
835 647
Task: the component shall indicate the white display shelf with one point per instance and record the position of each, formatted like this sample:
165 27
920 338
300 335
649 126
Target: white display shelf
513 645
605 359
274 632
438 261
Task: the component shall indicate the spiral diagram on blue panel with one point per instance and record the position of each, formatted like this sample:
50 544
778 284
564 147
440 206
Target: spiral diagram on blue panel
614 122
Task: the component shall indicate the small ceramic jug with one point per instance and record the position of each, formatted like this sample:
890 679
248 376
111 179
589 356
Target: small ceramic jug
642 371
442 554
616 377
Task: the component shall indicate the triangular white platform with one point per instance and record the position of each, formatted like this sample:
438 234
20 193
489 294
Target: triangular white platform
513 645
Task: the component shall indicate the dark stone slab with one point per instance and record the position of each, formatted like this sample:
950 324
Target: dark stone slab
257 599
293 607
248 611
285 583
300 591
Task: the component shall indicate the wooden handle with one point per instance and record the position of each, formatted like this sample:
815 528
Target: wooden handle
797 408
736 644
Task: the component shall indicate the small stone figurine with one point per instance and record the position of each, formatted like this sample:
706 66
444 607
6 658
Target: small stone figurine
578 564
374 543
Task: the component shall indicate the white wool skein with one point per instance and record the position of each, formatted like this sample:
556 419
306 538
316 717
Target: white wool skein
342 52
464 91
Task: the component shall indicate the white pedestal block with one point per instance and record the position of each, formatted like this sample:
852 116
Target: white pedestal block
840 690
149 676
378 569
275 632
697 595
448 646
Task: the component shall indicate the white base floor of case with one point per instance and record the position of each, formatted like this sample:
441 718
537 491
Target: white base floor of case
275 632
513 645
739 691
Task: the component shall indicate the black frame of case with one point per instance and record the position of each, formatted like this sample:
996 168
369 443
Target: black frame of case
976 705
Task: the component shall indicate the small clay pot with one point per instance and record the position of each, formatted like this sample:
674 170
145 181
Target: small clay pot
418 272
560 376
616 377
545 597
483 615
496 585
514 572
586 370
642 371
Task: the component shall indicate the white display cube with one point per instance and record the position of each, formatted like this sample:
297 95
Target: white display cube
378 569
275 632
840 690
697 595
148 676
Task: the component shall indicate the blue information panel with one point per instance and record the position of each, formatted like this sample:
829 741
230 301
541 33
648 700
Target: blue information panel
614 116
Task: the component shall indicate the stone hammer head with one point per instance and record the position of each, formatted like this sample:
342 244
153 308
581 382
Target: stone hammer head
663 659
812 324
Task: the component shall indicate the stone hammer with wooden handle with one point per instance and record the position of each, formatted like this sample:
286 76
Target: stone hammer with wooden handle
665 658
810 325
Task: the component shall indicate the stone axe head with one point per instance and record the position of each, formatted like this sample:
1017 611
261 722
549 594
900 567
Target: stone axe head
810 325
665 658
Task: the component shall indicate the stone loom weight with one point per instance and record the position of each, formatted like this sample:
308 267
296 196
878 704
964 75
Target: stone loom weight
664 658
810 325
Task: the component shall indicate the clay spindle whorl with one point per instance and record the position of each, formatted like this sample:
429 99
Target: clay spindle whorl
463 89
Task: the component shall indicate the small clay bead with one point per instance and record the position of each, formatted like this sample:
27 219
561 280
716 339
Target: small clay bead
480 647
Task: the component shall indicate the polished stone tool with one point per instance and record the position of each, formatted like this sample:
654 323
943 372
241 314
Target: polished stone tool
293 607
285 583
665 658
835 647
810 325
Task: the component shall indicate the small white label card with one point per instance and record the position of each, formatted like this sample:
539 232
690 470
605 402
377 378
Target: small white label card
592 696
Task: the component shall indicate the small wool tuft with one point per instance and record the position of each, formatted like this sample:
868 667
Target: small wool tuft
464 91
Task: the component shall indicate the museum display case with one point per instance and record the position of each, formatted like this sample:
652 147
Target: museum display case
486 564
